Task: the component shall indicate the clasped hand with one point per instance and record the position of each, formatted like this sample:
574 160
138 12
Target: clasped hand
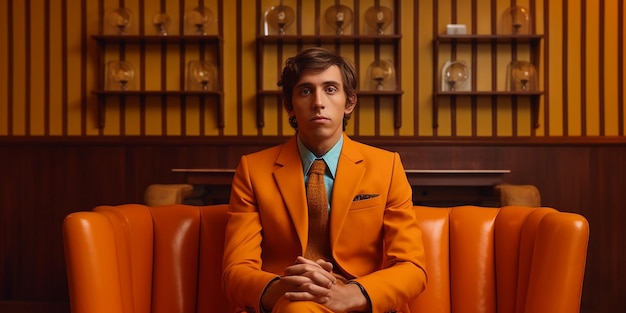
309 280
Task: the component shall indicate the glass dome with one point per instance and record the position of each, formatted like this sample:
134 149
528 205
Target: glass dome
515 21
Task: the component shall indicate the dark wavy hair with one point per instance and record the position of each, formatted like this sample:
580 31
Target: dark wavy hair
316 60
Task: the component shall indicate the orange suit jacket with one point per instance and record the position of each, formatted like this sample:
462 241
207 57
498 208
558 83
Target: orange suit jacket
375 241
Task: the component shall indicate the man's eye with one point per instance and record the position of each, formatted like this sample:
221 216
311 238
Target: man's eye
305 91
331 89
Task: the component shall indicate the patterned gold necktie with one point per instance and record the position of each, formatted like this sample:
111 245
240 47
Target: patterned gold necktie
319 245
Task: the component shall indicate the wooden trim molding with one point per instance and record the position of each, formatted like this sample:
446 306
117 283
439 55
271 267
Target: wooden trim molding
384 141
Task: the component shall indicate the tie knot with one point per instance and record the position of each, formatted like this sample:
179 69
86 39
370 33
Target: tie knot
318 167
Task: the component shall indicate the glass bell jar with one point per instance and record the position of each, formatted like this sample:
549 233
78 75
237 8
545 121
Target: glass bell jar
120 20
379 18
339 17
277 19
198 20
201 75
522 76
515 21
161 22
455 76
381 75
120 75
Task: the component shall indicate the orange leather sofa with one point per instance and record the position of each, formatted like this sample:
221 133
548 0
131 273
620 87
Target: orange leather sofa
138 259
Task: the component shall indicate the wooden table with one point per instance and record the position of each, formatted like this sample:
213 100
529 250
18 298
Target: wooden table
430 187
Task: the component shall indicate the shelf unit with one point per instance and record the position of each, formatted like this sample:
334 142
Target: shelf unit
356 39
533 41
202 41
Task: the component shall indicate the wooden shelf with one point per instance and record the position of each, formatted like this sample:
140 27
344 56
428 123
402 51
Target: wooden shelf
158 93
444 38
327 39
363 93
531 40
122 40
490 93
102 94
153 39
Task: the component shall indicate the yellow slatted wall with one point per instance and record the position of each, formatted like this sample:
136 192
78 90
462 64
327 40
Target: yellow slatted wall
49 69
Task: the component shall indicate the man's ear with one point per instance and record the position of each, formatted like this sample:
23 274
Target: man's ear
350 103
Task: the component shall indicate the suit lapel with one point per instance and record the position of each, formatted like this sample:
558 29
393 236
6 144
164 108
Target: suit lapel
350 170
290 181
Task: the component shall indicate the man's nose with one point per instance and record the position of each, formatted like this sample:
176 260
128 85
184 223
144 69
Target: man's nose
318 96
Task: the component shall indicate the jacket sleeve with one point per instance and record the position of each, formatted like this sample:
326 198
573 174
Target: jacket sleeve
403 274
243 278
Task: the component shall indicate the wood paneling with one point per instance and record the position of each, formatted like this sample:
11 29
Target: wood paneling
54 160
42 183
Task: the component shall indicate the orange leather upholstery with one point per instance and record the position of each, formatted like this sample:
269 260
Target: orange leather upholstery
136 259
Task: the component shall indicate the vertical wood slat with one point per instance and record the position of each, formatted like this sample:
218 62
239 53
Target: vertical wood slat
239 69
259 71
453 48
601 88
397 101
64 68
142 66
514 100
535 59
219 52
474 65
620 71
357 62
416 71
546 71
435 26
565 62
10 69
28 67
583 68
494 65
46 69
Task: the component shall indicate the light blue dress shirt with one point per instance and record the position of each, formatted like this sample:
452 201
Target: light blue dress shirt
331 158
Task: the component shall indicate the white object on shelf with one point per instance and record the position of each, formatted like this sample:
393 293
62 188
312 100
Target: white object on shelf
456 29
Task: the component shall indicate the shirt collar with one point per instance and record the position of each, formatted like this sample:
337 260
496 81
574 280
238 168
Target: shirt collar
331 157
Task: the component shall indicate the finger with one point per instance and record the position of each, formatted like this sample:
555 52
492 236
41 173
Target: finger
308 291
303 260
312 274
328 266
294 281
305 296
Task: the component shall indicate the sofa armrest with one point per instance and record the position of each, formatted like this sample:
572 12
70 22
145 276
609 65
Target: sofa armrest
558 265
91 258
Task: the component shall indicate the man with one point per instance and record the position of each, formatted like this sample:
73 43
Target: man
364 253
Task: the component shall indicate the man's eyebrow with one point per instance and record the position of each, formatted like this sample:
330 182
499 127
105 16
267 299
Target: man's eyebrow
326 83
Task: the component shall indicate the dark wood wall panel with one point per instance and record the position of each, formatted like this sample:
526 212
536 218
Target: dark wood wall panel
42 183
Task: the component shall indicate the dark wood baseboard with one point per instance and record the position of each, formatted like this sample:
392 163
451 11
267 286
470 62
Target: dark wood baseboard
34 307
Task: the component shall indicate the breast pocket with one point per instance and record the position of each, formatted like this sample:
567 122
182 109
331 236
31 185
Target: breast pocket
366 203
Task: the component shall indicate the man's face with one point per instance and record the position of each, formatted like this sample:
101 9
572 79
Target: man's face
319 104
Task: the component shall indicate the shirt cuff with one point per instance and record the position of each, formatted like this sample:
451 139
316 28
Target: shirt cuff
363 291
261 308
